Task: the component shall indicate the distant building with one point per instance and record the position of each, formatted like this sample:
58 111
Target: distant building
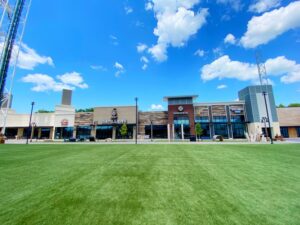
229 119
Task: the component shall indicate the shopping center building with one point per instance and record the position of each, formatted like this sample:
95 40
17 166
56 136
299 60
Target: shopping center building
233 120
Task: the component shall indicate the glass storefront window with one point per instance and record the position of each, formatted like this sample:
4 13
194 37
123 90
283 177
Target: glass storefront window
206 130
220 119
45 133
104 132
238 130
129 132
221 129
202 119
298 131
238 119
159 131
178 131
178 120
11 133
63 132
83 131
284 132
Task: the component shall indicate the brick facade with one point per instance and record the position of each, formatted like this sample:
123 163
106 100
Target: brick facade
188 110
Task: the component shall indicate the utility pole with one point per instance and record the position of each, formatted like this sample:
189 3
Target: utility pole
136 119
262 72
29 127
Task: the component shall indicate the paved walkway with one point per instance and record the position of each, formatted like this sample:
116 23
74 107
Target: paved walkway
287 141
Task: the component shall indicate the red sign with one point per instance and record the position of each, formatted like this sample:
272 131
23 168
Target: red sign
64 122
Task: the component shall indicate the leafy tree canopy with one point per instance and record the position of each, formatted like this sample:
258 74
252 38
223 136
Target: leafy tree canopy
44 111
85 110
124 130
294 105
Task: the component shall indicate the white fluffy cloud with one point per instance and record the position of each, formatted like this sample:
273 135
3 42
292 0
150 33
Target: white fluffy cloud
119 69
28 57
264 28
230 39
99 67
114 40
141 47
145 62
176 23
128 10
222 86
43 82
200 53
261 6
148 6
155 107
73 79
224 67
235 4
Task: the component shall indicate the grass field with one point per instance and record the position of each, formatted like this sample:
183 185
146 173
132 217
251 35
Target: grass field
150 184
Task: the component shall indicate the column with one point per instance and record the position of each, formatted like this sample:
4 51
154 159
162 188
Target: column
20 133
169 133
53 133
39 133
173 131
94 131
114 133
182 132
74 132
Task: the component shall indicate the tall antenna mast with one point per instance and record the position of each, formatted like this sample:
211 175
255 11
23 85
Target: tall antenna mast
9 43
262 72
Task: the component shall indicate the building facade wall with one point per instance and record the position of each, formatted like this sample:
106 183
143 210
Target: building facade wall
103 115
188 110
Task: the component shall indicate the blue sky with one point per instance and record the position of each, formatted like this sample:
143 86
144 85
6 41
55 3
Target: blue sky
92 48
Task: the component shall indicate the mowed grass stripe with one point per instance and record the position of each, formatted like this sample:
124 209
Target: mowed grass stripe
150 184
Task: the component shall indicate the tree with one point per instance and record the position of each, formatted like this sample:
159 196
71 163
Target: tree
199 130
281 106
124 130
85 110
294 105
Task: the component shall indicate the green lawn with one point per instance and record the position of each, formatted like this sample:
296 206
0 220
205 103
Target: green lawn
150 184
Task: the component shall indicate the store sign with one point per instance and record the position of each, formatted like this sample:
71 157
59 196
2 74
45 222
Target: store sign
114 121
181 113
64 122
180 108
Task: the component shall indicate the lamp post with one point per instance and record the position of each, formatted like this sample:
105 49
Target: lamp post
136 119
29 128
151 123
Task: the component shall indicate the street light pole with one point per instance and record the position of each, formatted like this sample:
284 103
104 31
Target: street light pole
136 119
29 128
151 122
